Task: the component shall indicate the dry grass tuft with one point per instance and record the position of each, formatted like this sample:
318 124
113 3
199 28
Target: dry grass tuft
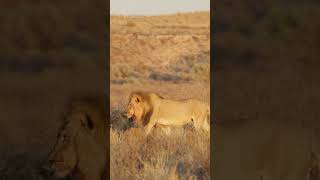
183 154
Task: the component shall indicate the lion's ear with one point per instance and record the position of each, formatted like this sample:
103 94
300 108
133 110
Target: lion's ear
138 99
87 122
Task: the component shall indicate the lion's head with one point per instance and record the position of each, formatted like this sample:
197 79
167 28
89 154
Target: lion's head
139 106
135 107
81 143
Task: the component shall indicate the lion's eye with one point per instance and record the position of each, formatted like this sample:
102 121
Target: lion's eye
65 138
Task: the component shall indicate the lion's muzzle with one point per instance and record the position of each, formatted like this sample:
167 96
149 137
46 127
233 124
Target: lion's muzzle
128 114
125 114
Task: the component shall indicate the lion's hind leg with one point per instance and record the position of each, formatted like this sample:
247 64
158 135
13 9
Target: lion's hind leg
206 125
207 120
203 122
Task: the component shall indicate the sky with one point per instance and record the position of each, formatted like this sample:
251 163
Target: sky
156 7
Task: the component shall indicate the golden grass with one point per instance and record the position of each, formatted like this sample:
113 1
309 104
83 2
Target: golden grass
182 154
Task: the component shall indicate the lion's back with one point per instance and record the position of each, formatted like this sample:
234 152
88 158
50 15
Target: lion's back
177 112
188 106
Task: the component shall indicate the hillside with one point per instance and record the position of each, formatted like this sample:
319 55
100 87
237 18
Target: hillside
166 49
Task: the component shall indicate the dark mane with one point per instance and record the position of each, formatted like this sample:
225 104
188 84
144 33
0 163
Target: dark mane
145 96
96 102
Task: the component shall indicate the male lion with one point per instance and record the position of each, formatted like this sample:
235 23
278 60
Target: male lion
81 146
150 109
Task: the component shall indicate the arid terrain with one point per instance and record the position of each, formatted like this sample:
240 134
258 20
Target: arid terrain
266 67
167 49
170 55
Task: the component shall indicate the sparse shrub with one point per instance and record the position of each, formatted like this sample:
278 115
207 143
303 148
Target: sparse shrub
130 24
122 70
158 76
201 72
119 122
193 67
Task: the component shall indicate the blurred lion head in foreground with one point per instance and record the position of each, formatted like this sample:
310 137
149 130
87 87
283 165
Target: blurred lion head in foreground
81 147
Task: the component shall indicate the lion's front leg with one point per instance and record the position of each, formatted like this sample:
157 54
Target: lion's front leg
150 125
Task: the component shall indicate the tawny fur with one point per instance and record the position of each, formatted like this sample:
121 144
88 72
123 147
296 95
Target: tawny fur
150 110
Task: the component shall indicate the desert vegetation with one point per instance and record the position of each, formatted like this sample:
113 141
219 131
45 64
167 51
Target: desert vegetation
170 48
266 67
184 154
170 55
